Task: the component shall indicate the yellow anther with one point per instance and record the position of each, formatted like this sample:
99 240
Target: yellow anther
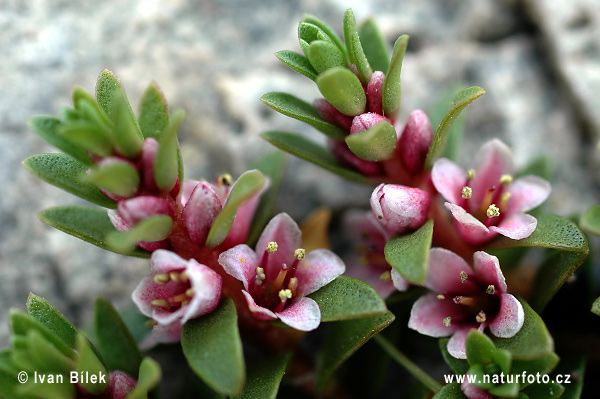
447 321
187 301
440 296
386 276
161 278
463 277
506 179
163 303
471 174
490 289
183 276
493 211
480 317
189 292
467 192
225 179
180 298
300 253
293 285
285 295
151 323
271 247
260 273
175 276
504 200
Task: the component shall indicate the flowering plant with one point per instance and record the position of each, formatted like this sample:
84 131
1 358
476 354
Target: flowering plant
437 254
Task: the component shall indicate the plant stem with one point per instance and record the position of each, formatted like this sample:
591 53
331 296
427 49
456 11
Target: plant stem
405 362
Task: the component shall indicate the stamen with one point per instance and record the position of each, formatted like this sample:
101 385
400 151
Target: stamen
440 296
161 279
260 273
180 298
506 180
464 300
463 277
284 295
189 292
184 276
280 277
187 301
490 289
470 174
271 247
300 253
467 192
163 303
480 317
386 276
504 200
225 179
293 285
447 321
257 281
151 323
175 276
493 211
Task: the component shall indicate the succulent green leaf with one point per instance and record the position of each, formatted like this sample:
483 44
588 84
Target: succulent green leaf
324 55
88 224
343 339
264 378
9 386
155 228
109 90
450 391
117 345
88 361
455 136
551 390
374 144
43 311
557 233
311 152
273 166
46 356
46 390
533 341
120 178
374 45
480 348
343 90
460 102
308 33
575 369
297 62
87 108
327 30
355 49
505 390
64 172
213 348
296 108
503 359
135 323
542 365
21 324
88 136
150 374
590 221
409 253
596 306
348 298
126 133
458 366
166 164
246 186
391 96
48 129
153 114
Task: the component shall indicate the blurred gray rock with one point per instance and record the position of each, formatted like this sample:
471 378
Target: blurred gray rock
215 59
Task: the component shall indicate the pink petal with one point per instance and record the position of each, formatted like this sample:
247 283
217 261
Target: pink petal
526 193
286 233
415 141
375 92
164 334
330 114
400 283
186 191
366 121
201 211
149 151
488 271
493 160
240 262
139 208
472 391
117 221
448 179
516 226
509 319
443 274
163 261
207 285
399 208
363 228
120 385
143 294
456 345
470 229
340 150
302 314
428 313
319 268
258 312
370 274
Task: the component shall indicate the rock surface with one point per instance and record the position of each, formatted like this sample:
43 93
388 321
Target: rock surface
540 67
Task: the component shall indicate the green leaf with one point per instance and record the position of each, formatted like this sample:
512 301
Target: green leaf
348 298
149 376
324 55
213 348
166 164
575 369
374 45
450 391
409 253
374 144
544 391
117 345
264 378
458 366
118 177
9 386
64 172
89 362
542 365
297 62
21 324
557 233
154 116
311 152
89 136
296 108
247 185
590 221
273 166
355 49
308 33
455 136
45 355
152 229
135 323
533 341
596 306
391 96
48 129
127 134
88 224
479 348
460 101
343 90
327 30
345 338
108 89
48 315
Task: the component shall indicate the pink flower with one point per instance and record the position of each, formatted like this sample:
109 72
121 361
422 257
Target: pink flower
415 141
465 298
176 291
486 201
368 262
400 209
279 275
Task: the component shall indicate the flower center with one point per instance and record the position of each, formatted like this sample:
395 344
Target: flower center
478 305
494 201
181 295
